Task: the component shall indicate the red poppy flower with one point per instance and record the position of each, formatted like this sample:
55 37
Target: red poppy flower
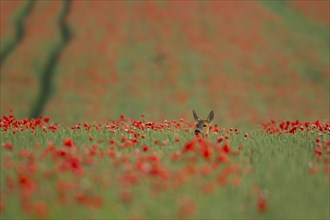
145 148
262 204
226 148
220 139
8 146
68 142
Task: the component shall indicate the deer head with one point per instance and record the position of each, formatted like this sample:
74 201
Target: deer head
203 126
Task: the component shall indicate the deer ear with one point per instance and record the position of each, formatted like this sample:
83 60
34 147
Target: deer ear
210 117
196 117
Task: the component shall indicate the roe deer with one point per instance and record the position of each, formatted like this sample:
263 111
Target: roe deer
203 126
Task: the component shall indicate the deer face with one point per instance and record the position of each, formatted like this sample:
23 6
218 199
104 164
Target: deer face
203 126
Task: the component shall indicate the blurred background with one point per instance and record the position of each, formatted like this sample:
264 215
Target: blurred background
83 61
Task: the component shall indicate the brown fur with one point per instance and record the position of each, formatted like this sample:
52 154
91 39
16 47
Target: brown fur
203 126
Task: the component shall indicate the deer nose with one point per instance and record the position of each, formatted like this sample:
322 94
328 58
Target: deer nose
197 131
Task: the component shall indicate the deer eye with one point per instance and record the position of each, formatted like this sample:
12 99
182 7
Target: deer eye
204 125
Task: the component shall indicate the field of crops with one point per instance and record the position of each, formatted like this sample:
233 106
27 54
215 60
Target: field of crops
135 169
96 107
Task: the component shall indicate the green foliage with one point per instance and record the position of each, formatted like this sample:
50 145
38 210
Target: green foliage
275 165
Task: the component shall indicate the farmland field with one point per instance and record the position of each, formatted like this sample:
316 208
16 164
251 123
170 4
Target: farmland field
139 169
96 109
